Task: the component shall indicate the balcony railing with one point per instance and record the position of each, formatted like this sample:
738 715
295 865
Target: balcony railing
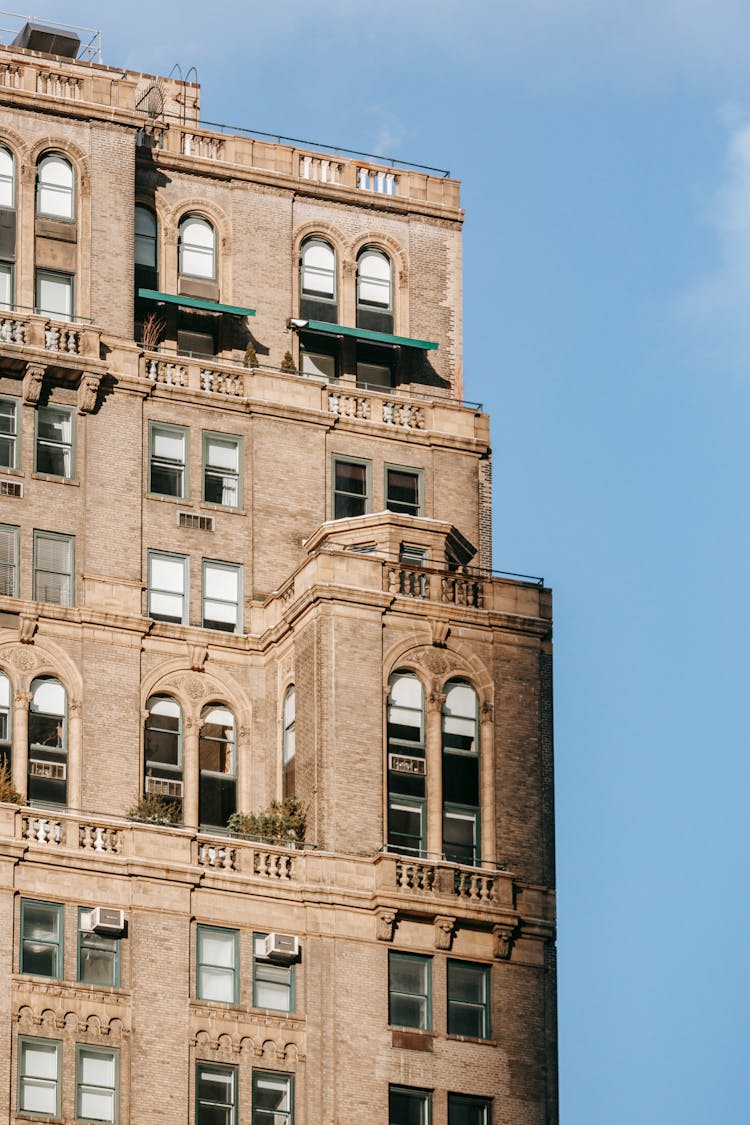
69 341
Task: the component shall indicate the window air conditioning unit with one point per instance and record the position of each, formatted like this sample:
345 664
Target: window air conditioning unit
55 771
103 920
281 947
12 488
163 787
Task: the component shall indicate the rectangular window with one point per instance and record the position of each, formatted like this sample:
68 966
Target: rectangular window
463 1110
54 294
216 1095
216 973
222 589
96 1084
98 957
9 561
409 1107
272 1098
6 285
8 426
53 568
461 834
406 827
41 938
273 984
402 491
410 991
168 458
167 587
375 375
318 364
54 441
468 999
350 488
221 470
39 1077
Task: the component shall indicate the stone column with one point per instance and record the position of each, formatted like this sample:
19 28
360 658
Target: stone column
434 765
487 783
75 755
190 774
20 750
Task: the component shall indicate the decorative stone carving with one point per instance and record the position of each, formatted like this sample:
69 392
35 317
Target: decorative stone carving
245 732
487 713
435 701
348 268
504 937
27 626
22 698
32 382
23 658
75 707
438 662
191 725
444 931
440 633
197 654
386 923
88 390
194 686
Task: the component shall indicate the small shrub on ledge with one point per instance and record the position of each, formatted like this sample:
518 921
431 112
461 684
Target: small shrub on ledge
282 822
150 808
8 794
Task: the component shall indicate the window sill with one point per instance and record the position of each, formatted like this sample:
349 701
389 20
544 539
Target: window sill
56 480
472 1039
5 471
223 508
410 1039
168 499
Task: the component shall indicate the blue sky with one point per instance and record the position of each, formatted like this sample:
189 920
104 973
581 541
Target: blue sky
604 147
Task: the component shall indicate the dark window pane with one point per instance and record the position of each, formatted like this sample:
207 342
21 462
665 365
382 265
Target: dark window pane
403 492
461 779
406 1108
348 506
98 960
351 478
51 460
165 481
468 1111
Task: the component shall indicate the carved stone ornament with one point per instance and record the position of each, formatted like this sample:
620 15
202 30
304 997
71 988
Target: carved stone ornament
75 707
438 662
27 626
197 655
23 658
440 633
386 923
348 268
435 701
445 928
504 937
194 686
32 382
487 713
88 390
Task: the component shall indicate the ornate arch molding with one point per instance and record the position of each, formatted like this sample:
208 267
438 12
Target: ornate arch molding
435 666
75 154
16 145
388 245
198 205
23 663
326 231
193 690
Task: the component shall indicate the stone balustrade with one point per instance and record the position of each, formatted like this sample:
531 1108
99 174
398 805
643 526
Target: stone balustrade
67 341
434 585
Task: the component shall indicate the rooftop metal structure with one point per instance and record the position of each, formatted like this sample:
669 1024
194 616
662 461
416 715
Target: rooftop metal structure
52 37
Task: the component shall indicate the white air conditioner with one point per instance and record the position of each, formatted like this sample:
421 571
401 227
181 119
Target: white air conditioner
103 920
163 787
281 947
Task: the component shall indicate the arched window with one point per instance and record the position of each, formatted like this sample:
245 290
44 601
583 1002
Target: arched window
461 829
145 237
163 748
406 764
54 192
289 751
374 290
318 281
218 770
197 248
7 179
5 722
48 743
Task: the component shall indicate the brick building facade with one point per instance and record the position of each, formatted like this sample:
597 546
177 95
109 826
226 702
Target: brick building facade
245 556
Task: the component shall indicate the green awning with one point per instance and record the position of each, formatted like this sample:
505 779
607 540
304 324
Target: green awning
194 303
361 334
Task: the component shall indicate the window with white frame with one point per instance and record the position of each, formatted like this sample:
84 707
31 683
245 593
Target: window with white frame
8 429
167 587
216 1095
222 594
167 460
39 1076
373 280
145 237
54 294
6 285
163 748
289 751
216 972
272 1098
197 248
53 568
461 828
54 441
407 1106
96 1084
273 984
318 270
55 187
48 742
7 179
8 561
406 764
351 487
221 470
217 763
466 1110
